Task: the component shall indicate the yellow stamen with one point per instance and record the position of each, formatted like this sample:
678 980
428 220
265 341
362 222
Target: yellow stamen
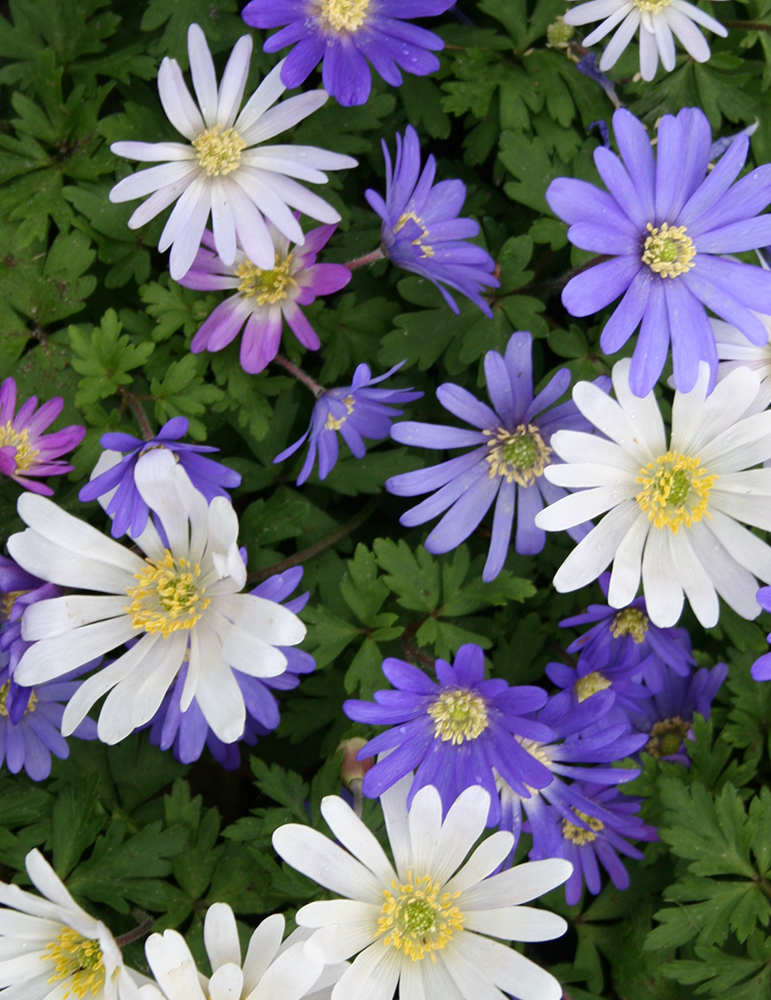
335 423
344 15
78 960
458 716
577 833
667 251
519 455
654 6
667 737
4 690
7 602
168 597
266 287
401 222
586 686
219 152
675 491
25 454
630 621
418 918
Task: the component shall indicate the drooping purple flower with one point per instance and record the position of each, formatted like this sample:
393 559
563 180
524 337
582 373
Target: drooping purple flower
30 721
115 472
263 299
627 638
345 34
356 411
761 668
570 754
187 732
421 230
666 222
667 716
25 450
512 450
454 730
586 839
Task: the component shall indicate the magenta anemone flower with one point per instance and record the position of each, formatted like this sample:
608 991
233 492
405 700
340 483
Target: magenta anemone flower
24 449
263 299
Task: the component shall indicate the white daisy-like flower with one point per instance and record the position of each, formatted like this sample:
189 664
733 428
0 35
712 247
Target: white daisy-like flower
422 922
659 21
674 508
50 948
181 602
735 351
270 971
224 170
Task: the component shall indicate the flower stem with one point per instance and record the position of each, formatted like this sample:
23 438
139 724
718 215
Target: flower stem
368 258
137 933
130 400
300 375
747 25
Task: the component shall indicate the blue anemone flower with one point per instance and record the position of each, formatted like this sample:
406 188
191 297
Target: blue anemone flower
421 230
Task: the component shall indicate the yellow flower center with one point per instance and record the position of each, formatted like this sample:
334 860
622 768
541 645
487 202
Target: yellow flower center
667 251
219 152
418 918
266 286
667 737
78 960
335 423
7 602
630 621
25 455
577 833
168 596
4 690
675 491
521 455
585 687
458 716
401 222
344 15
654 6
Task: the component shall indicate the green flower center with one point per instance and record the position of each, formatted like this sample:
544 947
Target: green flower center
585 687
667 251
520 455
458 716
344 15
418 918
675 491
667 737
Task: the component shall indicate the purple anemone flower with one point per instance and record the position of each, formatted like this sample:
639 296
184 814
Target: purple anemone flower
666 222
512 450
18 589
628 638
24 449
263 299
114 473
30 721
421 230
761 668
586 839
455 732
187 732
345 34
667 716
578 683
356 411
570 754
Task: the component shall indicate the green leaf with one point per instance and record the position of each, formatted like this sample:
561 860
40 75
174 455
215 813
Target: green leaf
105 358
413 578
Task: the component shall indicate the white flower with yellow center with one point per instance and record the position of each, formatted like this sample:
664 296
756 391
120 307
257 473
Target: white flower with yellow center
672 509
225 170
735 351
270 971
181 601
422 923
659 21
51 949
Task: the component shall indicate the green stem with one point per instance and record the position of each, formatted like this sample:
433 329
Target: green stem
300 375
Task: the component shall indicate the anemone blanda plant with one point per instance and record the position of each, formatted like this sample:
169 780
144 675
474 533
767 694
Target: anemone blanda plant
26 453
224 170
52 949
425 921
343 35
263 298
421 231
666 221
181 598
672 508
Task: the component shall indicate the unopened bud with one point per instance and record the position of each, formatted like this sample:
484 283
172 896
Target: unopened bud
558 34
352 770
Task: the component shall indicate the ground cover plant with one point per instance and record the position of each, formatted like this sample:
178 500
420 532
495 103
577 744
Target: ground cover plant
384 432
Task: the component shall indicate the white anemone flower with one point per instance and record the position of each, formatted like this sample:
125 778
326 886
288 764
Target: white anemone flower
224 170
422 922
270 971
181 602
50 948
674 508
735 351
659 21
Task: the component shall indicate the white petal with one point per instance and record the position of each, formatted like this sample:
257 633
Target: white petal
338 942
516 923
161 200
204 76
166 488
53 657
580 475
733 582
223 223
595 10
47 619
284 116
593 554
577 446
222 527
608 416
425 819
649 55
394 804
145 182
747 501
694 579
617 44
627 564
661 585
273 208
253 234
290 977
373 976
724 406
226 983
352 833
688 34
173 966
48 884
608 24
233 81
485 859
476 962
153 152
324 912
251 656
67 569
643 411
296 196
665 42
582 506
313 854
195 206
263 946
749 551
745 443
264 96
220 699
463 826
688 413
220 936
693 13
179 106
518 885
